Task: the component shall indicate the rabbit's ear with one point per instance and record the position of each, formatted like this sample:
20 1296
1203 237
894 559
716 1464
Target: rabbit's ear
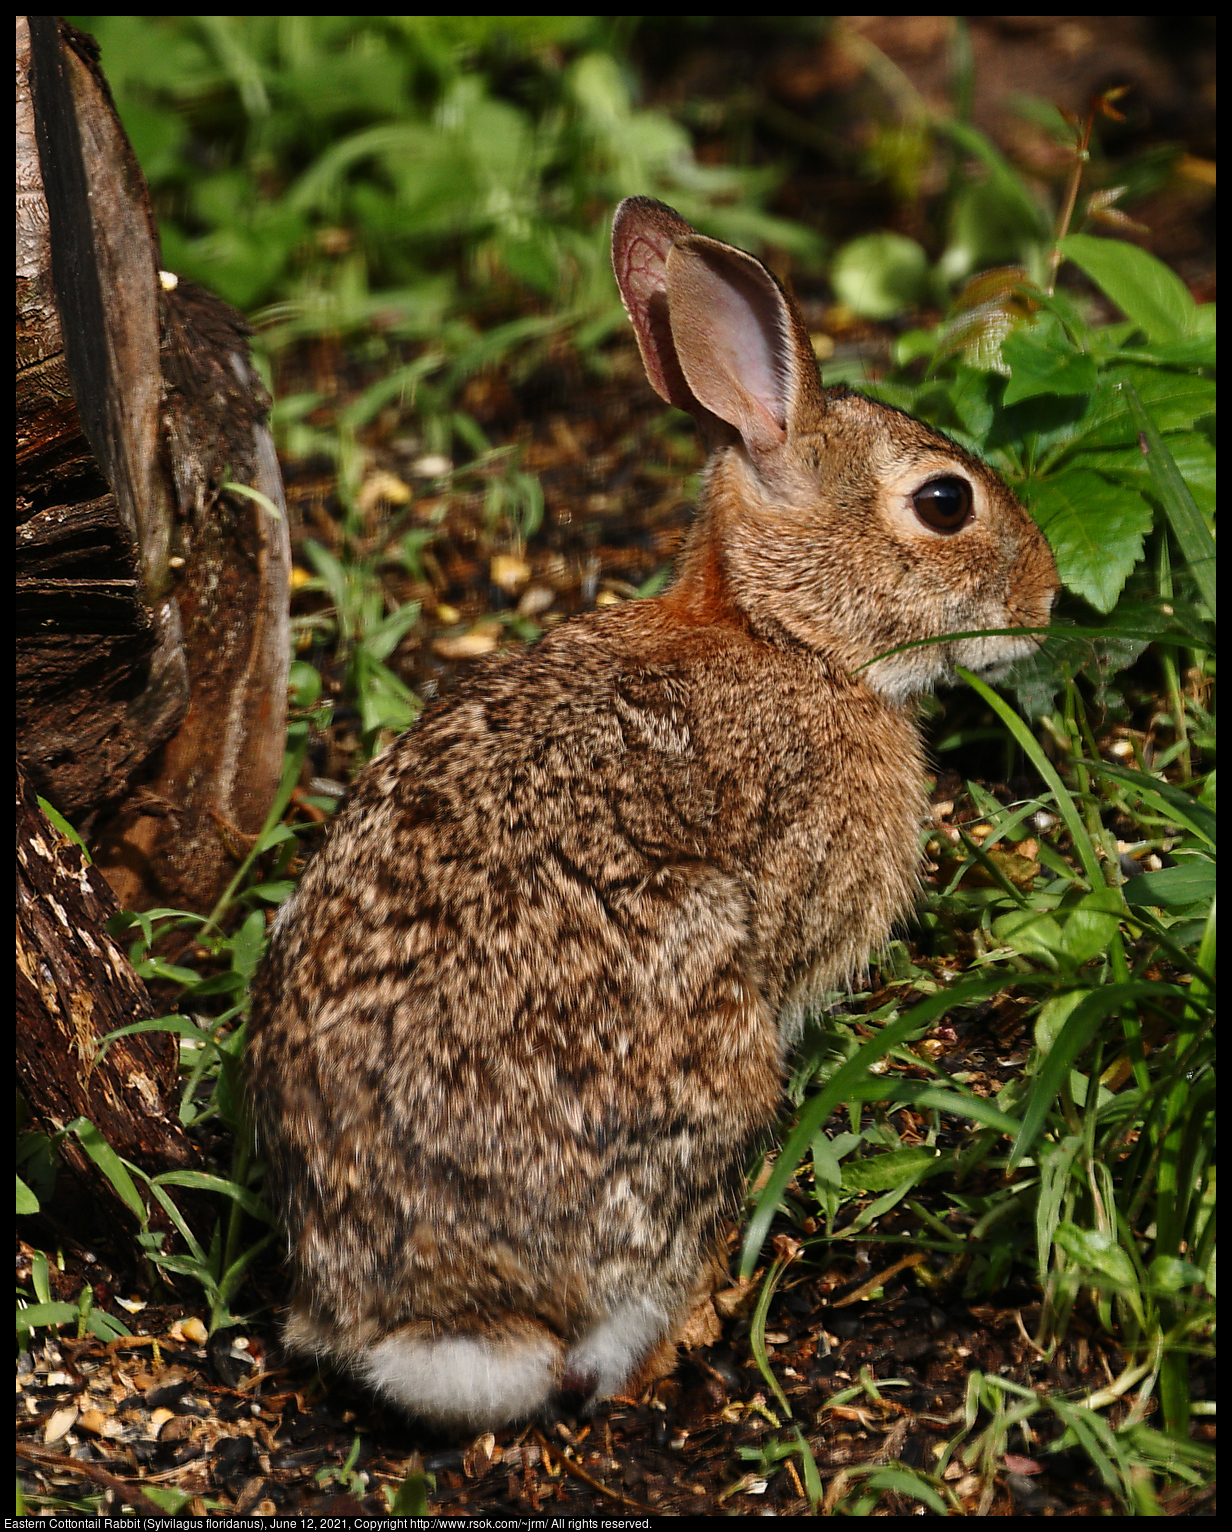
741 345
643 232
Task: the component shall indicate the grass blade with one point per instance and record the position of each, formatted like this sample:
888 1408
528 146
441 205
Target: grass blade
839 1088
1188 526
1031 747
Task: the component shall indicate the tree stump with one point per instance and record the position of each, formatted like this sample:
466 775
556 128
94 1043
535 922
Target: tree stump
152 612
152 608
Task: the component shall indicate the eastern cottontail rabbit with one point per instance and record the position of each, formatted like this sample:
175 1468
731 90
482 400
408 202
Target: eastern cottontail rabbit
528 1009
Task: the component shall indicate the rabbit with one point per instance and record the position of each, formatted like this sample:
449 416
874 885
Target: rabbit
527 1013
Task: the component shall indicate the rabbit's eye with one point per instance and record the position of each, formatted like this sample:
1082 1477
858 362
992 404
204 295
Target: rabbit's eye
944 504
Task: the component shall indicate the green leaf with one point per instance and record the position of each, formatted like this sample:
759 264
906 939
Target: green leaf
879 275
1176 401
248 944
1095 529
105 1326
412 1496
1078 1031
1030 746
185 1026
1191 451
1098 1251
1053 1015
1174 887
40 1276
1091 924
303 683
838 1088
906 1481
1043 360
1004 181
936 1098
35 1315
757 1332
895 1168
109 1162
1170 1274
382 640
58 820
1033 933
1167 799
27 1202
201 1180
1142 287
1195 541
165 1496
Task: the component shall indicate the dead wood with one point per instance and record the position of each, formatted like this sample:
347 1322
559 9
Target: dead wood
74 986
152 600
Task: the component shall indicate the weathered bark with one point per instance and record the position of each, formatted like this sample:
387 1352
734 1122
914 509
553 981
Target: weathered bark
74 985
152 624
152 602
101 679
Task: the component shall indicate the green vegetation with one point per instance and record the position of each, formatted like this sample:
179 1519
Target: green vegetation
434 195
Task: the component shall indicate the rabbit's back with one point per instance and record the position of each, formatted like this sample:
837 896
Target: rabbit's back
523 1011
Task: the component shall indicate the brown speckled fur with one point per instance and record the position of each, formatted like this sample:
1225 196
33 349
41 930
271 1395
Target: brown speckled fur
528 1009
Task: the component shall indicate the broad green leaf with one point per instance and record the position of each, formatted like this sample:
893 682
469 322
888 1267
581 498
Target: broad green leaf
1095 529
1043 360
1098 1251
303 683
27 1202
1033 933
1091 925
165 1496
248 944
879 275
1191 452
412 1496
382 640
1174 887
1174 400
1198 351
1142 287
884 1172
1053 1015
1171 1274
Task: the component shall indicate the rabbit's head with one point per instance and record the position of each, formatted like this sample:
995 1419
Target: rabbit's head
835 521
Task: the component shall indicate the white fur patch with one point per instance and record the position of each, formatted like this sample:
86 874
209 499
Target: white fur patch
459 1381
616 1347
